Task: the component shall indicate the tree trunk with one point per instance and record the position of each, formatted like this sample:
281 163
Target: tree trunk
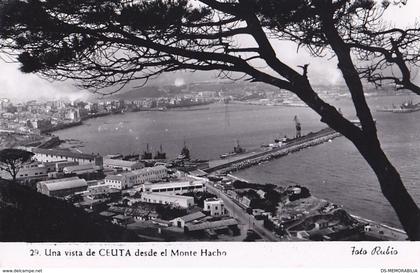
367 142
392 187
13 172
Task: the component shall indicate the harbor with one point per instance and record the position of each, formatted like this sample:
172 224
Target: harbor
248 159
325 169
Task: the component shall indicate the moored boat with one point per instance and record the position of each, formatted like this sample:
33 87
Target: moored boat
406 107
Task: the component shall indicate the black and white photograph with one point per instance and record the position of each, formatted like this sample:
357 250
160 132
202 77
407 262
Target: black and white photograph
218 122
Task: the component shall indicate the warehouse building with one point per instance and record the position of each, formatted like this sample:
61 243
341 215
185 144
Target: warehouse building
168 199
55 155
122 165
62 187
175 187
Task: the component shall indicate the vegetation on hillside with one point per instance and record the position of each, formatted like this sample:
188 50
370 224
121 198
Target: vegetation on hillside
27 216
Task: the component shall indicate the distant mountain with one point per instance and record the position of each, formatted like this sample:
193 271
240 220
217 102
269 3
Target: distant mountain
142 92
28 216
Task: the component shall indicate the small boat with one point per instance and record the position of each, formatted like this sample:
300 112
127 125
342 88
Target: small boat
406 107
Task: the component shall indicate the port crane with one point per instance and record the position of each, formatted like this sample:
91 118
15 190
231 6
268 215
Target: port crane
298 126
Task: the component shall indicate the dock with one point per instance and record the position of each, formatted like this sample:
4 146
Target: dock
245 160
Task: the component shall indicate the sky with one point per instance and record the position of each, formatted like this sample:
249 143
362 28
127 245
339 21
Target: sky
21 87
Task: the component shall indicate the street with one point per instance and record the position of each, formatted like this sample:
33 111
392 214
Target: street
239 213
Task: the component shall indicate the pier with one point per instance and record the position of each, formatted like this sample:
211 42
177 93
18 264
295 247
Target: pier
249 159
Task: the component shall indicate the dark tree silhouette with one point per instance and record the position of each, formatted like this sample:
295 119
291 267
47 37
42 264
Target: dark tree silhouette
12 160
104 43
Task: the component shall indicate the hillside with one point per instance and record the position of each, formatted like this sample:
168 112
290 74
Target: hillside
27 216
140 93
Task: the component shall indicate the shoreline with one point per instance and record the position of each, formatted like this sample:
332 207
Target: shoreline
100 115
358 218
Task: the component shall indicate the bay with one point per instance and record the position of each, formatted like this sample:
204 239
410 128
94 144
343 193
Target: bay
334 171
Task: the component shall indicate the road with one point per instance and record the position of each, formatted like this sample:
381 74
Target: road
239 213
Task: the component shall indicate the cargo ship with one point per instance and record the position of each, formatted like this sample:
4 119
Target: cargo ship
406 107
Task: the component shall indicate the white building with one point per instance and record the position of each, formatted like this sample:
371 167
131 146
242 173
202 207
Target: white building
73 114
136 177
168 199
54 155
175 187
124 165
215 207
118 182
149 174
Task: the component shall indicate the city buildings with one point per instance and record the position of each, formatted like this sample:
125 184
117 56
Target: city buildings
168 199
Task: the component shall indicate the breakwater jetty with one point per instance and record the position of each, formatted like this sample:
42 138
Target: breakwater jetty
249 159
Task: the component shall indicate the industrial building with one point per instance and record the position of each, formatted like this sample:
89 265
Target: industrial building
54 155
168 199
62 187
123 165
175 187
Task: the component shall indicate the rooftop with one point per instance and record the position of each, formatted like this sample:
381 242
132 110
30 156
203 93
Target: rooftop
59 180
117 177
64 153
121 163
107 214
171 196
174 184
121 217
209 225
148 169
80 167
193 216
69 184
213 199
